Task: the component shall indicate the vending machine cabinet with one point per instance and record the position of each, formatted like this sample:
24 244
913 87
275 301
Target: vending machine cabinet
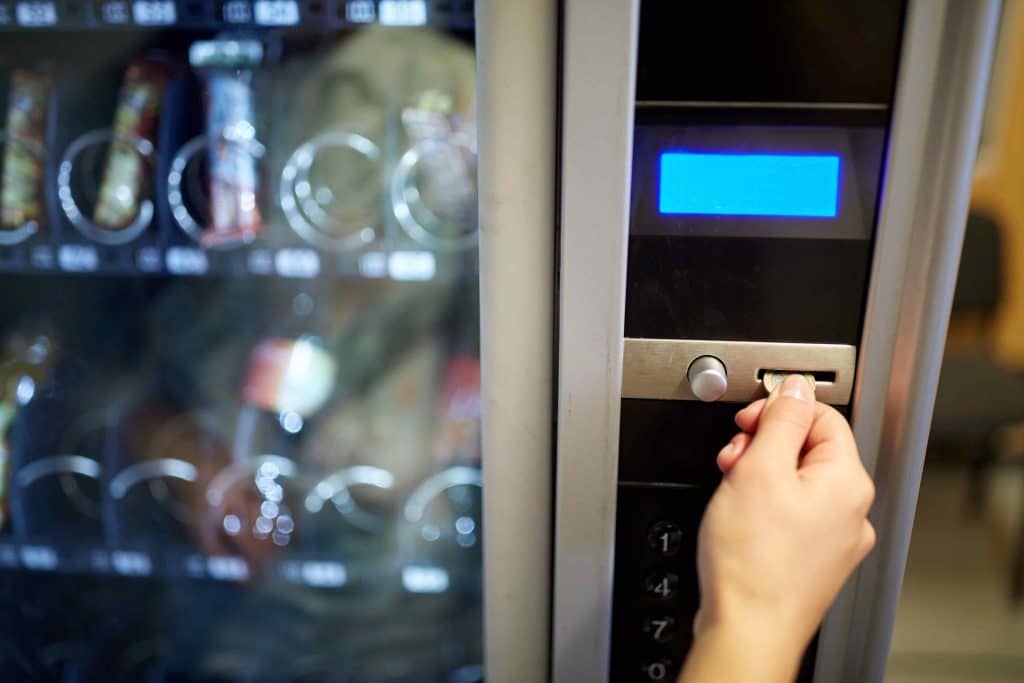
778 187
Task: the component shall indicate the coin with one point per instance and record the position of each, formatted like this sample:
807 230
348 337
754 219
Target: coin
773 378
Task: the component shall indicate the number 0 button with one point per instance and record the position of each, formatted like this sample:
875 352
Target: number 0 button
658 670
665 538
662 585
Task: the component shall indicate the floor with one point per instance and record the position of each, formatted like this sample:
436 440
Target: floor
954 621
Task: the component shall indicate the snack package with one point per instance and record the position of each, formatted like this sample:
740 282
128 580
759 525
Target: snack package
21 198
459 427
135 120
289 375
231 138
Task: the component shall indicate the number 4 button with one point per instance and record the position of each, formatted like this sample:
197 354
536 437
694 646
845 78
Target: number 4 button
662 585
665 538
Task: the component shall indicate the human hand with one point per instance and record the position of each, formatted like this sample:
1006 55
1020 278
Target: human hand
784 530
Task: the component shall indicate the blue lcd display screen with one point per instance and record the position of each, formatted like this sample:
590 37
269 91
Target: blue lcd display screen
727 184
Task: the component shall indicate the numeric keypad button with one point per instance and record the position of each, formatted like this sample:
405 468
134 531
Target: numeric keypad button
660 629
662 585
658 670
665 538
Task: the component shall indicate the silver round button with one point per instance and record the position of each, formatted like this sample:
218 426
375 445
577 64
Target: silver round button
708 378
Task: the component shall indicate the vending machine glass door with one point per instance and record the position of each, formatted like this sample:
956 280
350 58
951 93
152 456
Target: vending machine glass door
239 342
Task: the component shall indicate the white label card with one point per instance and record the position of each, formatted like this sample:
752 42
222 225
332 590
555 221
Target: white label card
36 14
276 12
302 263
403 12
361 12
154 12
78 258
237 12
115 12
186 261
38 557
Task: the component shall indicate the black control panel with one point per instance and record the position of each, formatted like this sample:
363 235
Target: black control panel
756 180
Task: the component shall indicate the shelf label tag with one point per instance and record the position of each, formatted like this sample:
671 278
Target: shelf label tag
403 12
186 261
40 557
361 11
154 12
276 12
227 568
115 12
302 263
237 12
36 14
78 258
130 563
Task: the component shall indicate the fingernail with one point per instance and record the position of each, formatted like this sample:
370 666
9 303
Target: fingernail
795 386
728 449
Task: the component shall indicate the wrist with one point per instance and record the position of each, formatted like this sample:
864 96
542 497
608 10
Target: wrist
748 649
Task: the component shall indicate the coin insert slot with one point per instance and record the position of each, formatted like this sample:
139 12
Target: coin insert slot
820 376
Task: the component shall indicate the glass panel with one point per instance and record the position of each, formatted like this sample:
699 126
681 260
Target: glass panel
239 356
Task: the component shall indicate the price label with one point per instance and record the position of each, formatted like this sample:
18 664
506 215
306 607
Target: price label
195 566
78 258
129 563
297 263
237 12
99 561
8 556
373 264
410 266
115 12
148 259
36 14
425 579
154 12
42 257
403 12
186 261
324 574
276 12
261 262
361 12
227 568
39 557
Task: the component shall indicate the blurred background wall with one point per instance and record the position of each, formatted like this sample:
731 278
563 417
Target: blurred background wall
961 611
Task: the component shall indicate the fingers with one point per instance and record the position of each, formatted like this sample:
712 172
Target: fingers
868 537
830 440
784 424
747 418
732 451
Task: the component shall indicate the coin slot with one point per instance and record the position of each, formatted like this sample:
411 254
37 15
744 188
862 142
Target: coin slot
820 376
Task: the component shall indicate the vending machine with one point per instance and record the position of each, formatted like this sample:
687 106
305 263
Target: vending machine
393 340
746 189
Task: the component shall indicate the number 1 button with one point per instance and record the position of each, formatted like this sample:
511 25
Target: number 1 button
665 538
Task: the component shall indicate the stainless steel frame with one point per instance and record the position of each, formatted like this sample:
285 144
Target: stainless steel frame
516 81
598 67
658 368
946 57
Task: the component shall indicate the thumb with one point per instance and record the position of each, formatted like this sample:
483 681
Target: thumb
784 424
